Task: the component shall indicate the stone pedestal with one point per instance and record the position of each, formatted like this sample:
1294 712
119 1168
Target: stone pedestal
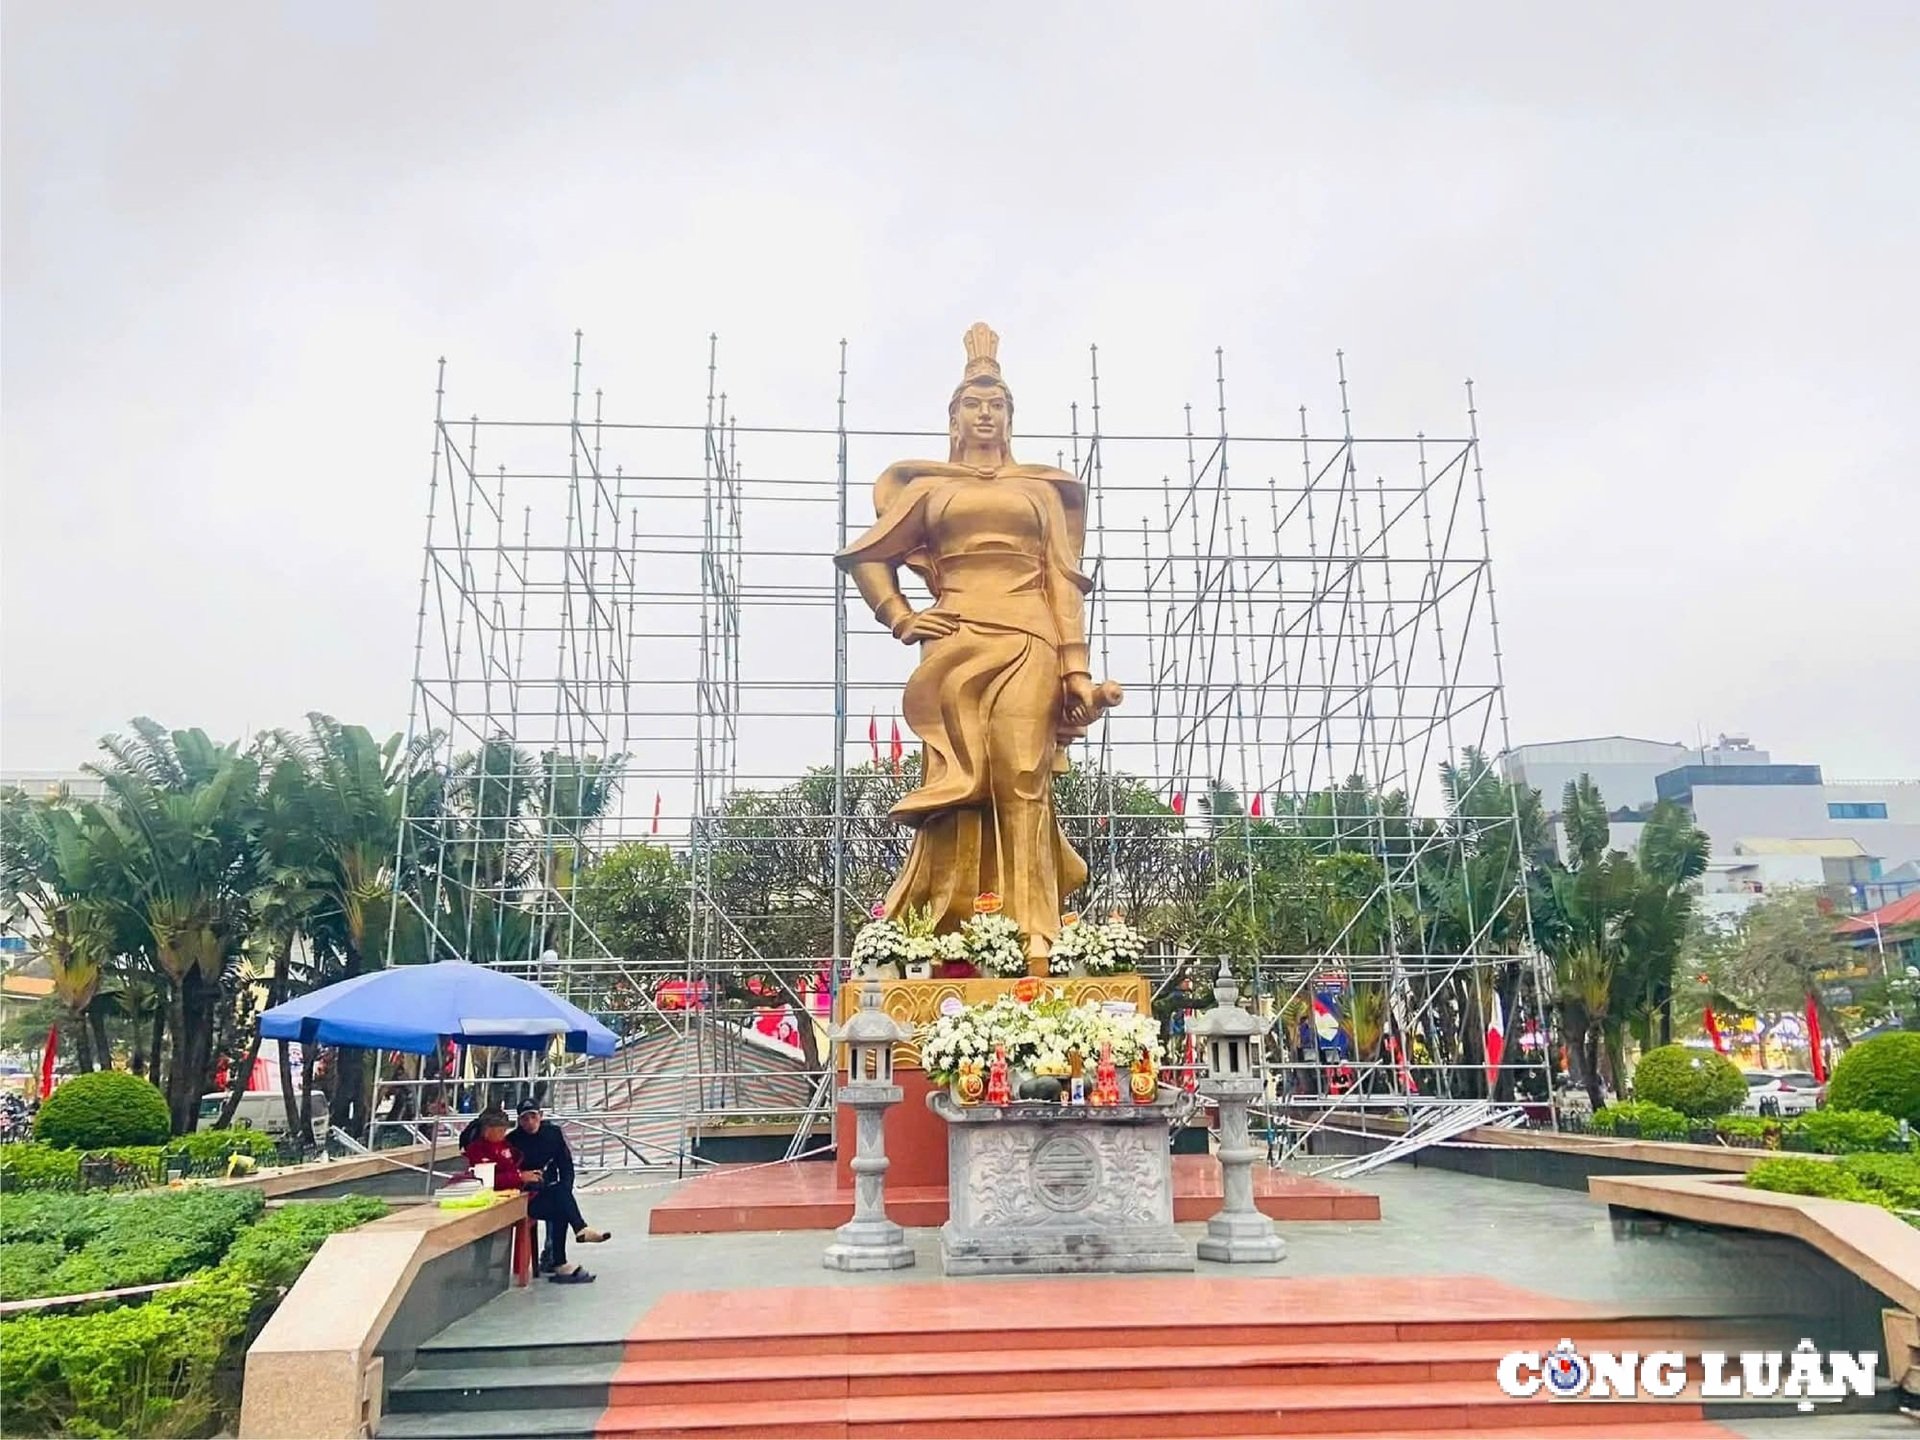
1239 1234
1036 1188
869 1241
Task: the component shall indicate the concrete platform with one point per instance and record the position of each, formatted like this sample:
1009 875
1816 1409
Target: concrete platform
732 1199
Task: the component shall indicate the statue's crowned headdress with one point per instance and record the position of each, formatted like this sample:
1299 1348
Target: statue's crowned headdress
983 349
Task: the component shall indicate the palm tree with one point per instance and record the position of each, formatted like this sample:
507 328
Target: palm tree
177 837
50 878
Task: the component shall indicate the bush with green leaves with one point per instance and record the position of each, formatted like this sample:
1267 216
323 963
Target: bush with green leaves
1803 1175
1882 1073
1761 1131
1698 1083
154 1368
34 1166
1641 1118
1841 1132
105 1108
124 1240
1889 1181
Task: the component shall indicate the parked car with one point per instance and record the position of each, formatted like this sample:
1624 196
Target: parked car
1782 1092
262 1110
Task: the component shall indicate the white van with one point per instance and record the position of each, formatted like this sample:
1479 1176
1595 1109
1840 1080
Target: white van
262 1110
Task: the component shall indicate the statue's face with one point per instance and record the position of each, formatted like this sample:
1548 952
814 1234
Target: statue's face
984 415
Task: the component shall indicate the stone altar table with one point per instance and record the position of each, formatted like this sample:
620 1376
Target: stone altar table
1040 1188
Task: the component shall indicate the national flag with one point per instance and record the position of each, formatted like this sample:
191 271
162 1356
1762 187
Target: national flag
1256 811
1496 1039
1816 1046
1713 1029
873 737
51 1053
1180 802
656 812
898 750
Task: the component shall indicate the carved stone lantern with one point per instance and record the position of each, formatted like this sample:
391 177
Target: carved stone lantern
1239 1234
869 1241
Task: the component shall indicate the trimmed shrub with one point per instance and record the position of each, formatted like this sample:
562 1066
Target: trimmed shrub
154 1369
1798 1175
1694 1082
1762 1131
1641 1118
272 1253
1889 1181
1842 1132
1880 1074
215 1147
101 1110
135 1239
32 1166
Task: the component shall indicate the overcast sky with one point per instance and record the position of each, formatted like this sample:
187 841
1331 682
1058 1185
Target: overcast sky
1675 247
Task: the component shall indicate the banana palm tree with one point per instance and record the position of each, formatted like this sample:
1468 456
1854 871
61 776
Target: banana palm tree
50 879
177 835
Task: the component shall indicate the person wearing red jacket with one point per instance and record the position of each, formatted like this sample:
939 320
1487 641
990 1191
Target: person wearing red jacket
485 1143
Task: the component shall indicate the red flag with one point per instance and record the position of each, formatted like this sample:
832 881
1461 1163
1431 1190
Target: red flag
1256 811
47 1059
1713 1030
898 749
656 812
1180 803
1816 1047
1496 1039
873 737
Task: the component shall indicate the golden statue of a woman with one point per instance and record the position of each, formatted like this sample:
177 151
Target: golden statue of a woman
1003 681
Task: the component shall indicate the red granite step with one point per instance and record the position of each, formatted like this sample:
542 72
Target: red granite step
914 1372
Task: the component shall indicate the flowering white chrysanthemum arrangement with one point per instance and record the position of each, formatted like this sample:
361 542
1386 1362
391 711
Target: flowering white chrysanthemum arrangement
994 942
1094 948
1041 1037
879 942
907 941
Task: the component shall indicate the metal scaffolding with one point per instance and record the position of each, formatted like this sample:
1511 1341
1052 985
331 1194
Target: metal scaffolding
634 632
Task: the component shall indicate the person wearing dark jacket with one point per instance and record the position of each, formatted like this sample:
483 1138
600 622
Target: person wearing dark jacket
542 1148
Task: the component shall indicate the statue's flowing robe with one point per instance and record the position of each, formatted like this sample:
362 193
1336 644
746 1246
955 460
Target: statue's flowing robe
1001 557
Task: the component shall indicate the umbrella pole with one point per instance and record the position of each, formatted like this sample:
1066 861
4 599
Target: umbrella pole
433 1124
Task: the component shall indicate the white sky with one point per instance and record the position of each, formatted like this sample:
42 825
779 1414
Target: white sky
1676 248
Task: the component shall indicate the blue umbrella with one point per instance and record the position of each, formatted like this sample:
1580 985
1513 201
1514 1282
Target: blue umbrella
414 1007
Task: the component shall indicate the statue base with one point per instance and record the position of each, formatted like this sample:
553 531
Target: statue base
1241 1240
868 1245
1036 1189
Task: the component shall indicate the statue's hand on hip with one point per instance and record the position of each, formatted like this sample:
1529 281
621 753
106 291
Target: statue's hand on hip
923 625
1077 699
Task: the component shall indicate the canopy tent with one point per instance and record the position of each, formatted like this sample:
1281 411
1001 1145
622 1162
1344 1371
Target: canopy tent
413 1008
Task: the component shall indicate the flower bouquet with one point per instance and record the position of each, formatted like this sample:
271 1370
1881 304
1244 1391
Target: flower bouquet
1090 948
993 942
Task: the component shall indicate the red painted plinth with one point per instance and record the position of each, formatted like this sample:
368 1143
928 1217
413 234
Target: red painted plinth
916 1138
806 1197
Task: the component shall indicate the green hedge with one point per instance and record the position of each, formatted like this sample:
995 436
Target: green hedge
121 1240
1694 1082
108 1107
1642 1118
1841 1132
1880 1074
35 1166
153 1369
1889 1181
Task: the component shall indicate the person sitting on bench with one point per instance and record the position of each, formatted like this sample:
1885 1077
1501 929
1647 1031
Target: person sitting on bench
541 1147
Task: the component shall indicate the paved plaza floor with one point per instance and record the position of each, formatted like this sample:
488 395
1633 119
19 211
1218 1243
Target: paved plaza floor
1557 1242
1524 1238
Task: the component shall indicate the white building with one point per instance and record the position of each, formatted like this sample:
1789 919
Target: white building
1769 825
38 783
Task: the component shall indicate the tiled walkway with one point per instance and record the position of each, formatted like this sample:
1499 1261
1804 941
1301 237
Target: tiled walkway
1432 1223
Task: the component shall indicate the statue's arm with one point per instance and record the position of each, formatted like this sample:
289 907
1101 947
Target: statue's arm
873 561
878 582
